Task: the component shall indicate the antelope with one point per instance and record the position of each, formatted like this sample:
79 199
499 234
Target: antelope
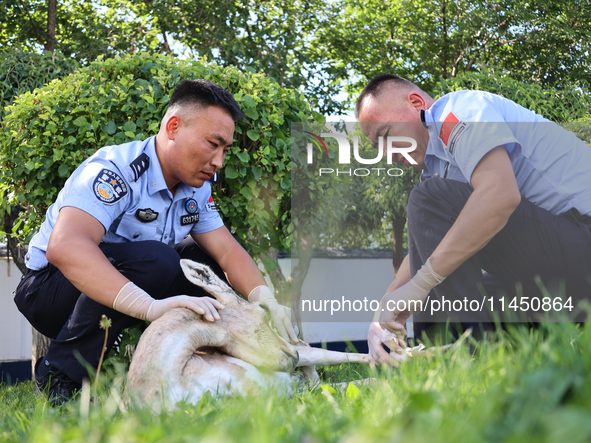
180 357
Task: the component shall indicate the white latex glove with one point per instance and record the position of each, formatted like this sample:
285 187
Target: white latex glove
417 289
136 302
399 350
377 353
280 314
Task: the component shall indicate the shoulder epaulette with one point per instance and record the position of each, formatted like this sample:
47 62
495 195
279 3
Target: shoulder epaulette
139 166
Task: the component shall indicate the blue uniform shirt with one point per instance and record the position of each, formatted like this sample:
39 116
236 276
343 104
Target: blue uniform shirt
551 164
124 189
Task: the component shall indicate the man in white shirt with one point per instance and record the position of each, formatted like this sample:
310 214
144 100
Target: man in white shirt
503 190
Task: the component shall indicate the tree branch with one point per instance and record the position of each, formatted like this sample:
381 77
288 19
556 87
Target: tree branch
32 20
479 50
166 45
11 242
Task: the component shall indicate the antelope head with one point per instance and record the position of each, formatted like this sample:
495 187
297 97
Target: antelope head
250 333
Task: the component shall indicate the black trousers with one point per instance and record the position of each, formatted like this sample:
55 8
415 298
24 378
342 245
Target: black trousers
58 310
534 242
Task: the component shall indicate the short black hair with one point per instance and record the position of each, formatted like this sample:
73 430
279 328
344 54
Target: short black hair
375 85
205 93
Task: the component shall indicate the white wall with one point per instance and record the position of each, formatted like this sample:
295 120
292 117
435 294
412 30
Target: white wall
15 331
352 278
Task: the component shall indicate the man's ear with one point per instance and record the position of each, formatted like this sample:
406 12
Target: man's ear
172 126
416 100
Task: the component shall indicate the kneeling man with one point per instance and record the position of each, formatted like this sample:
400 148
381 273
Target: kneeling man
503 190
112 241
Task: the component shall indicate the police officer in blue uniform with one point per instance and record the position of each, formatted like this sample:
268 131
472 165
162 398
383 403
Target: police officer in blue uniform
503 190
112 241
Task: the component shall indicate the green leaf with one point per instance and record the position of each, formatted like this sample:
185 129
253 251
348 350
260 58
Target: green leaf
245 192
251 112
270 264
129 126
243 156
328 389
257 172
422 401
249 101
110 127
229 172
63 170
352 392
80 121
253 135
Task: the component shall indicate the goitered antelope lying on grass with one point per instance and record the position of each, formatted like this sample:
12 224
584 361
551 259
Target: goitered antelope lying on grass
180 356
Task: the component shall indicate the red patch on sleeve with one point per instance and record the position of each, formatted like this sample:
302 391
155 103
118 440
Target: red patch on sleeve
447 127
210 199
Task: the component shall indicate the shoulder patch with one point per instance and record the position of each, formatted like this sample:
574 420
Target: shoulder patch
140 165
211 204
458 130
447 127
109 187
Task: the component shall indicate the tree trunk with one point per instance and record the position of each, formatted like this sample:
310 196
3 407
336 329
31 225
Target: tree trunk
398 223
40 347
281 285
304 245
51 18
17 252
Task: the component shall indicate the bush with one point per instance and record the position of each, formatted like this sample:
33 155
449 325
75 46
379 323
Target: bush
25 71
46 134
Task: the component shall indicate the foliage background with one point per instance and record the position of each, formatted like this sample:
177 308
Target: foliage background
49 132
329 50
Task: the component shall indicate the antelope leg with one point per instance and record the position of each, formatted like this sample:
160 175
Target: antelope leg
345 384
315 356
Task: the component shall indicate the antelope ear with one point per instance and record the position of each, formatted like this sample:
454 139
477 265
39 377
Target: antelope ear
202 276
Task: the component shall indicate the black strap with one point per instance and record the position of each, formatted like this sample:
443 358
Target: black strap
423 118
140 165
215 178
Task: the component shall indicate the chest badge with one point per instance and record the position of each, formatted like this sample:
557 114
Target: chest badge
189 219
146 215
191 206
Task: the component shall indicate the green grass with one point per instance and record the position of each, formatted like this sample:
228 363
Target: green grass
515 386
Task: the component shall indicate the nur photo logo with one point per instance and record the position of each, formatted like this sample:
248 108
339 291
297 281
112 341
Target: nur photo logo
390 146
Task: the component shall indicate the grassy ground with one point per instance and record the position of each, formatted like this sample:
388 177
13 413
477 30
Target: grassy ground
516 386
